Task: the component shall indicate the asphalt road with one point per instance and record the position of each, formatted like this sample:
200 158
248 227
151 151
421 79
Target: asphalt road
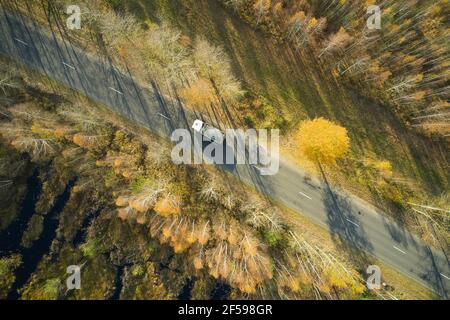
344 215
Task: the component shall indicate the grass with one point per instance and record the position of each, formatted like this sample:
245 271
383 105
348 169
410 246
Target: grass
140 183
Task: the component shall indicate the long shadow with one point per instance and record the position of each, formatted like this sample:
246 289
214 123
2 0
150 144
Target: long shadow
55 46
372 124
443 244
433 275
19 30
399 233
31 54
344 225
224 150
163 105
111 73
52 12
23 29
139 95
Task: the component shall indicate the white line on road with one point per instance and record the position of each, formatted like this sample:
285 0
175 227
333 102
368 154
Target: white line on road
352 222
116 90
68 65
305 195
20 41
399 250
160 114
444 276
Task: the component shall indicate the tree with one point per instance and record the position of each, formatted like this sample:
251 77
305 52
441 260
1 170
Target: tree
168 206
277 9
261 8
199 94
51 287
39 148
337 42
7 82
164 54
296 23
211 191
115 28
86 141
322 141
8 265
213 64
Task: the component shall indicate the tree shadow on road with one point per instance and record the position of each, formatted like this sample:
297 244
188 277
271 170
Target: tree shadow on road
433 274
346 230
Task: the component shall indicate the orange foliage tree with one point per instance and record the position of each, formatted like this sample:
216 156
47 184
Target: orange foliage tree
322 141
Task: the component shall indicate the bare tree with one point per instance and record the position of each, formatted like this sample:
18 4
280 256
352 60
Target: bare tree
7 82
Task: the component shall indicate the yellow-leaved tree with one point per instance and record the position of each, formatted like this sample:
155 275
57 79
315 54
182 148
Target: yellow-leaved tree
322 141
199 94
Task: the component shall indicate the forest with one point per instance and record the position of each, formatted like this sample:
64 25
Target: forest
405 64
144 212
367 110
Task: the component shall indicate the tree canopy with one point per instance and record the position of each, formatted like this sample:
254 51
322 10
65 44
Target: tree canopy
322 140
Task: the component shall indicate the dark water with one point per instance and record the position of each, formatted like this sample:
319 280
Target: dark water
31 256
80 236
10 242
221 291
118 283
186 292
11 237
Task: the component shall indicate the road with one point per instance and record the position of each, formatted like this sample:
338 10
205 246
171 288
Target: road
344 215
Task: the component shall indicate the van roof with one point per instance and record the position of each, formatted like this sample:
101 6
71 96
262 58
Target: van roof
197 126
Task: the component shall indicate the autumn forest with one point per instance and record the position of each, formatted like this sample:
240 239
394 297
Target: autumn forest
87 177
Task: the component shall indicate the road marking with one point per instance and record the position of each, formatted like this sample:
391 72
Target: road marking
352 222
116 91
305 195
68 65
399 250
444 276
160 114
20 41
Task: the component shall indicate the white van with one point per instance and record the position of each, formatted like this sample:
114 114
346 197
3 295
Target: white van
209 132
